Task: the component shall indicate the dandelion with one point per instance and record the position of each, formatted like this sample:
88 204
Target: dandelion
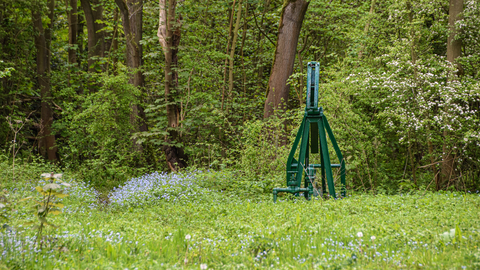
203 266
188 237
360 234
373 238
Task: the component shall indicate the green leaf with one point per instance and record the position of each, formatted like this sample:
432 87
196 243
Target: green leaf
39 189
458 233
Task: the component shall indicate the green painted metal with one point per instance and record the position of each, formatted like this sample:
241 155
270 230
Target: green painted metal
312 139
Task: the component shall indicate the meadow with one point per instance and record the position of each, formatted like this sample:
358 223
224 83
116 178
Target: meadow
186 221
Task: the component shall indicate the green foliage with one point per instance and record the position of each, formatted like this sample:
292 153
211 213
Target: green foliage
97 137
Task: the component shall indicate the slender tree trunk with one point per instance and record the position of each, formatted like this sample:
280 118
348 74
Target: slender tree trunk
291 20
169 37
454 50
80 27
431 152
72 35
47 140
226 58
114 47
131 11
413 55
96 38
244 36
232 50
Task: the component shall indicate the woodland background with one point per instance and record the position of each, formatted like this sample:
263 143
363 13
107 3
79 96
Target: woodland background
115 89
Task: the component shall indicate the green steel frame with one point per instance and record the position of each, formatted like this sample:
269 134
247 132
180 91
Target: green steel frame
312 138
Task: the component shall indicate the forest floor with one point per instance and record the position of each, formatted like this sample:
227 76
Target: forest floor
161 221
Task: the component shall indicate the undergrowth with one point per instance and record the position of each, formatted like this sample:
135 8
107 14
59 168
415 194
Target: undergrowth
168 221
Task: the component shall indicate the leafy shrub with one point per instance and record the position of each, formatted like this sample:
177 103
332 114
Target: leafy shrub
96 139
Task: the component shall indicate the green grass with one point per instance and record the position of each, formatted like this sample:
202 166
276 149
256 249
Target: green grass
228 232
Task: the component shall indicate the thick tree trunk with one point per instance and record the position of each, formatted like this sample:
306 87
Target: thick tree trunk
291 20
72 31
169 37
47 139
96 38
454 46
131 11
454 50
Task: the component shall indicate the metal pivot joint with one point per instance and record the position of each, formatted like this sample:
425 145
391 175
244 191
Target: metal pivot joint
312 139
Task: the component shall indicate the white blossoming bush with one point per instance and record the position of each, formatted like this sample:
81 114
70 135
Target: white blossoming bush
428 107
150 188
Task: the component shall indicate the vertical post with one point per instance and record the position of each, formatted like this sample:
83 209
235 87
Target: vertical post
312 85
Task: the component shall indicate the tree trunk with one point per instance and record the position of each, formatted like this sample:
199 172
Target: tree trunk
131 11
96 38
226 58
80 26
169 37
232 50
114 47
454 46
47 139
291 20
454 50
72 31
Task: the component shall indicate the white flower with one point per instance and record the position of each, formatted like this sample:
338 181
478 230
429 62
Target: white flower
360 234
56 176
188 237
185 261
373 237
203 266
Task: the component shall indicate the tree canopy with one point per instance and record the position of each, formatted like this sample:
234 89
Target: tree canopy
110 88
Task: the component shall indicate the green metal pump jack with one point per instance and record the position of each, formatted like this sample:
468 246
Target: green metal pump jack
313 140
